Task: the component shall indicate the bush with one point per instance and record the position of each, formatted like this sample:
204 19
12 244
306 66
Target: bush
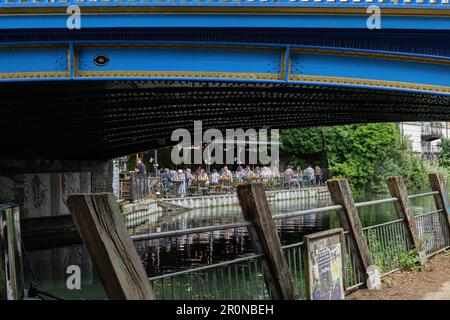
410 261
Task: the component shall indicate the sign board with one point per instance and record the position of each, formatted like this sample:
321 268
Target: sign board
325 256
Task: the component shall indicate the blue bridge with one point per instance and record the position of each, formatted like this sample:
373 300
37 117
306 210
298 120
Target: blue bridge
97 79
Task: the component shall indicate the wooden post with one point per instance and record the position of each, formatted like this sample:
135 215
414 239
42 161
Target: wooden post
265 240
11 268
403 208
441 199
348 218
110 247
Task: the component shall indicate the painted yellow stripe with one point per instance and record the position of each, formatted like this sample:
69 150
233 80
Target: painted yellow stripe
180 74
34 75
369 82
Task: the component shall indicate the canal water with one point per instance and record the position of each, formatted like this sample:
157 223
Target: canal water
180 253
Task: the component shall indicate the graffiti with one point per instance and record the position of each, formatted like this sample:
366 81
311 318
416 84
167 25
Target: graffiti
325 260
39 192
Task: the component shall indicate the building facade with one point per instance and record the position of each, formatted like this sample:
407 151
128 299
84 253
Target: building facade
425 137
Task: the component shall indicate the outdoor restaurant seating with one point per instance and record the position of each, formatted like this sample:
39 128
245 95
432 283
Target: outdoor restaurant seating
178 184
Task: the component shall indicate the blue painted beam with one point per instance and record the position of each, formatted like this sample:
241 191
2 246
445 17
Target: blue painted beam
34 62
10 22
227 63
370 69
169 60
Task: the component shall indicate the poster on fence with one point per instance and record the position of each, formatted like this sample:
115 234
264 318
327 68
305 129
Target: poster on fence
325 253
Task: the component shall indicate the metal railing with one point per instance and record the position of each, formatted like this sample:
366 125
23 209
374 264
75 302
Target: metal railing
386 242
242 278
236 279
134 187
435 238
438 4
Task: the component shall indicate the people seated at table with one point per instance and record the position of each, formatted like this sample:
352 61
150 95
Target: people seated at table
202 177
239 174
214 178
177 182
248 173
266 174
275 171
226 174
289 174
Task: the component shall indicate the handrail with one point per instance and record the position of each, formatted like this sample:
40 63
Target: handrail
431 193
383 224
427 213
374 202
219 264
175 233
214 265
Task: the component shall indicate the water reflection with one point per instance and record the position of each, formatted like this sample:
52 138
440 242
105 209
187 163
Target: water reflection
173 254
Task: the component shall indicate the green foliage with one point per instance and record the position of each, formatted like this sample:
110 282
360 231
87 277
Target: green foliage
121 204
364 154
385 253
409 261
435 168
351 277
444 160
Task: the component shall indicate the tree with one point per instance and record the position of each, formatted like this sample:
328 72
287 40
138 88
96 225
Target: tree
444 160
364 154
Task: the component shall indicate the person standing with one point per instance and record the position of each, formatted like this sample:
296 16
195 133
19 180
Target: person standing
309 173
165 179
318 175
181 183
140 167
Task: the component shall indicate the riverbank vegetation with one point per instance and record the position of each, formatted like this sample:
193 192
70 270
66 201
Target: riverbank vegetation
365 154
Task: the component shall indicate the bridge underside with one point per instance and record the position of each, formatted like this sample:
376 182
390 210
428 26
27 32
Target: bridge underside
397 59
122 85
103 119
